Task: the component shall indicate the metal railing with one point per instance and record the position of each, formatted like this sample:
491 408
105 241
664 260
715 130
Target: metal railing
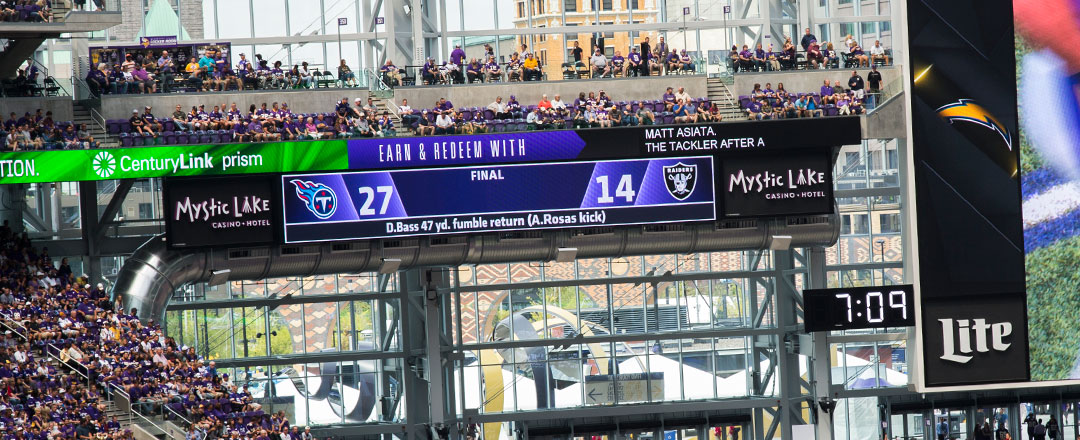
375 84
98 119
55 352
887 93
123 401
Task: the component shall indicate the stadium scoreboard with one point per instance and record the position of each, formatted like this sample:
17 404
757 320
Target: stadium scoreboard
397 203
502 182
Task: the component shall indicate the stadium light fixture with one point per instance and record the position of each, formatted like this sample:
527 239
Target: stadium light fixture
218 277
565 255
389 265
780 242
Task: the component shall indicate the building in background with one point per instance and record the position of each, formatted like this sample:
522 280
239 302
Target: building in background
555 49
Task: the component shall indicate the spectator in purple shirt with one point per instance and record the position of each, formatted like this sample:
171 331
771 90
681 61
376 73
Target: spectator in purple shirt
444 105
826 93
668 99
746 61
474 72
457 56
634 61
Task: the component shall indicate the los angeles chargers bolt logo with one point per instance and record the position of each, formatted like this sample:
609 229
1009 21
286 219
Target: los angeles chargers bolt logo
319 198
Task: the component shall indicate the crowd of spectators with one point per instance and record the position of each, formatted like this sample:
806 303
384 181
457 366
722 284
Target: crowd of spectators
263 123
592 110
39 131
102 348
817 55
33 11
277 122
642 60
152 72
830 100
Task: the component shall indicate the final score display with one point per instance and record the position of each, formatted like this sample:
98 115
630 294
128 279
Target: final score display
343 206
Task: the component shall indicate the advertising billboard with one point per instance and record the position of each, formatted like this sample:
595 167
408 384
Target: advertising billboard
220 211
996 199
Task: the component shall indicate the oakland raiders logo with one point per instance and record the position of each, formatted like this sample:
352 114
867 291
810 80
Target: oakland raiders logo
680 179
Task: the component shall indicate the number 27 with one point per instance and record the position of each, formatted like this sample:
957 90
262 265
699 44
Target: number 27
367 191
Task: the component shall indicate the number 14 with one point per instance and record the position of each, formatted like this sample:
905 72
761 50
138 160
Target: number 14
624 190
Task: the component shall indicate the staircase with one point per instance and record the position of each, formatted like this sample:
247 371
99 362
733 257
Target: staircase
381 105
720 94
60 10
110 410
81 113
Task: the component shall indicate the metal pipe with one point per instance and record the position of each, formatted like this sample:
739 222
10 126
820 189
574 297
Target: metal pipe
151 275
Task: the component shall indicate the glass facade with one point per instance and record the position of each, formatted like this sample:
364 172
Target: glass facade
532 336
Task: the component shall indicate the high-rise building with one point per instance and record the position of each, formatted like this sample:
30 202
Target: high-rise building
555 49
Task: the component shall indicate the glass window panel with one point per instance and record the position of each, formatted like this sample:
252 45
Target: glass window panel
304 19
335 9
487 274
209 19
348 53
269 18
868 28
234 19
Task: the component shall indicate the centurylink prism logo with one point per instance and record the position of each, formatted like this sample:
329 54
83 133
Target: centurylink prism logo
104 164
680 179
317 197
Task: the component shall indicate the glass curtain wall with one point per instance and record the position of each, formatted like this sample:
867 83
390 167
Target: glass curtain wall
311 392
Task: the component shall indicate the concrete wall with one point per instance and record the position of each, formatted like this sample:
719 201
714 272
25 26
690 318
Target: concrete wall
59 105
479 95
888 121
806 80
300 101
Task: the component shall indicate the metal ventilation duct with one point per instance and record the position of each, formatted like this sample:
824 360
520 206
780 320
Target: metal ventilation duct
151 275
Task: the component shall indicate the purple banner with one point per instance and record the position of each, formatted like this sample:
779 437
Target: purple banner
157 41
409 152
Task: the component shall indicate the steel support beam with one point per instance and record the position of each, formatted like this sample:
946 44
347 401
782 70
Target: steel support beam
821 364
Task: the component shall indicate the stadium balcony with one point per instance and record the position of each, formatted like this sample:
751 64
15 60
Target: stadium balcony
22 37
107 117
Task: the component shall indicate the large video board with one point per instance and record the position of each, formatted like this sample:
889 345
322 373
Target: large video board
997 219
400 187
376 204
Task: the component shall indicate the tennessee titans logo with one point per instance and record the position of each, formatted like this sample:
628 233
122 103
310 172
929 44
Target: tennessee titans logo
318 198
680 179
968 111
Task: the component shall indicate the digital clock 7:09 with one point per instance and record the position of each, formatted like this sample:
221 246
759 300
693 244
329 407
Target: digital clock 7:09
858 308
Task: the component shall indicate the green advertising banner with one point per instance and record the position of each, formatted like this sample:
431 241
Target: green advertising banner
187 160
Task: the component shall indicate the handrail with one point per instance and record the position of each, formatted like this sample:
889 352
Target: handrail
132 411
180 417
393 108
18 331
99 119
375 83
887 93
49 351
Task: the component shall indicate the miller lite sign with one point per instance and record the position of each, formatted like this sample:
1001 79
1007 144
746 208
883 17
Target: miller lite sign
963 338
970 342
